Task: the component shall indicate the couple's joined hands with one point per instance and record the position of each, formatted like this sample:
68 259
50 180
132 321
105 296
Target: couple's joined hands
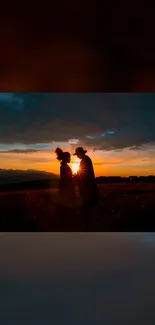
75 175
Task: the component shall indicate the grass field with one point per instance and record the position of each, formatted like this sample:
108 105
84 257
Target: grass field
121 207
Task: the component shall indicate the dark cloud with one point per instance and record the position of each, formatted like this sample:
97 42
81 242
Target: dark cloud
20 151
98 163
99 121
109 162
120 141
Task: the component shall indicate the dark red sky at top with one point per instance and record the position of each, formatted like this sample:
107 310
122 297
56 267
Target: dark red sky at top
70 46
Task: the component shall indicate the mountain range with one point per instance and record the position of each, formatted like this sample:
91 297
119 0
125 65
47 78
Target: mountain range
34 179
19 176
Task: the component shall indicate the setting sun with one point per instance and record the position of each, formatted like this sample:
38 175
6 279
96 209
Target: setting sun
75 167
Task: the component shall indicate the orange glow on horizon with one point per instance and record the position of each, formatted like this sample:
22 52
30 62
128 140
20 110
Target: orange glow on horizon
111 163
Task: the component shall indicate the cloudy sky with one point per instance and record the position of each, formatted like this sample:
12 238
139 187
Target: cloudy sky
116 129
80 278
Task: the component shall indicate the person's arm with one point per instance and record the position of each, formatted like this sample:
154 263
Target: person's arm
62 176
69 174
86 169
66 172
61 172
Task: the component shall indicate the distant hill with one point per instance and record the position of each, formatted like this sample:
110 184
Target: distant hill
19 176
18 180
130 179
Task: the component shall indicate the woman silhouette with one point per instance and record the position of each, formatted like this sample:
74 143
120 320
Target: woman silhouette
67 192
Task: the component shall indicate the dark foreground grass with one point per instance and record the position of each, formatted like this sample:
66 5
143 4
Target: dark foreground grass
121 207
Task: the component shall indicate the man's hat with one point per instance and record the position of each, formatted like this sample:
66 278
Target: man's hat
79 150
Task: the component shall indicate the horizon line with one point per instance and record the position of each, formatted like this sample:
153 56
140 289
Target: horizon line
48 172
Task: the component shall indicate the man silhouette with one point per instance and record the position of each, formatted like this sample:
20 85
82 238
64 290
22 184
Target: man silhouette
86 182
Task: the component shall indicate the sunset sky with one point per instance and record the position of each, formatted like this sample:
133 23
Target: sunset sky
117 130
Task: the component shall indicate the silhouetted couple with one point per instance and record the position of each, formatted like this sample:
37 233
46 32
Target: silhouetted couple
84 178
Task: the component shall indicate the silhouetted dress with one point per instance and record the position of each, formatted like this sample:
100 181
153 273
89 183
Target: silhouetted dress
67 194
87 183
